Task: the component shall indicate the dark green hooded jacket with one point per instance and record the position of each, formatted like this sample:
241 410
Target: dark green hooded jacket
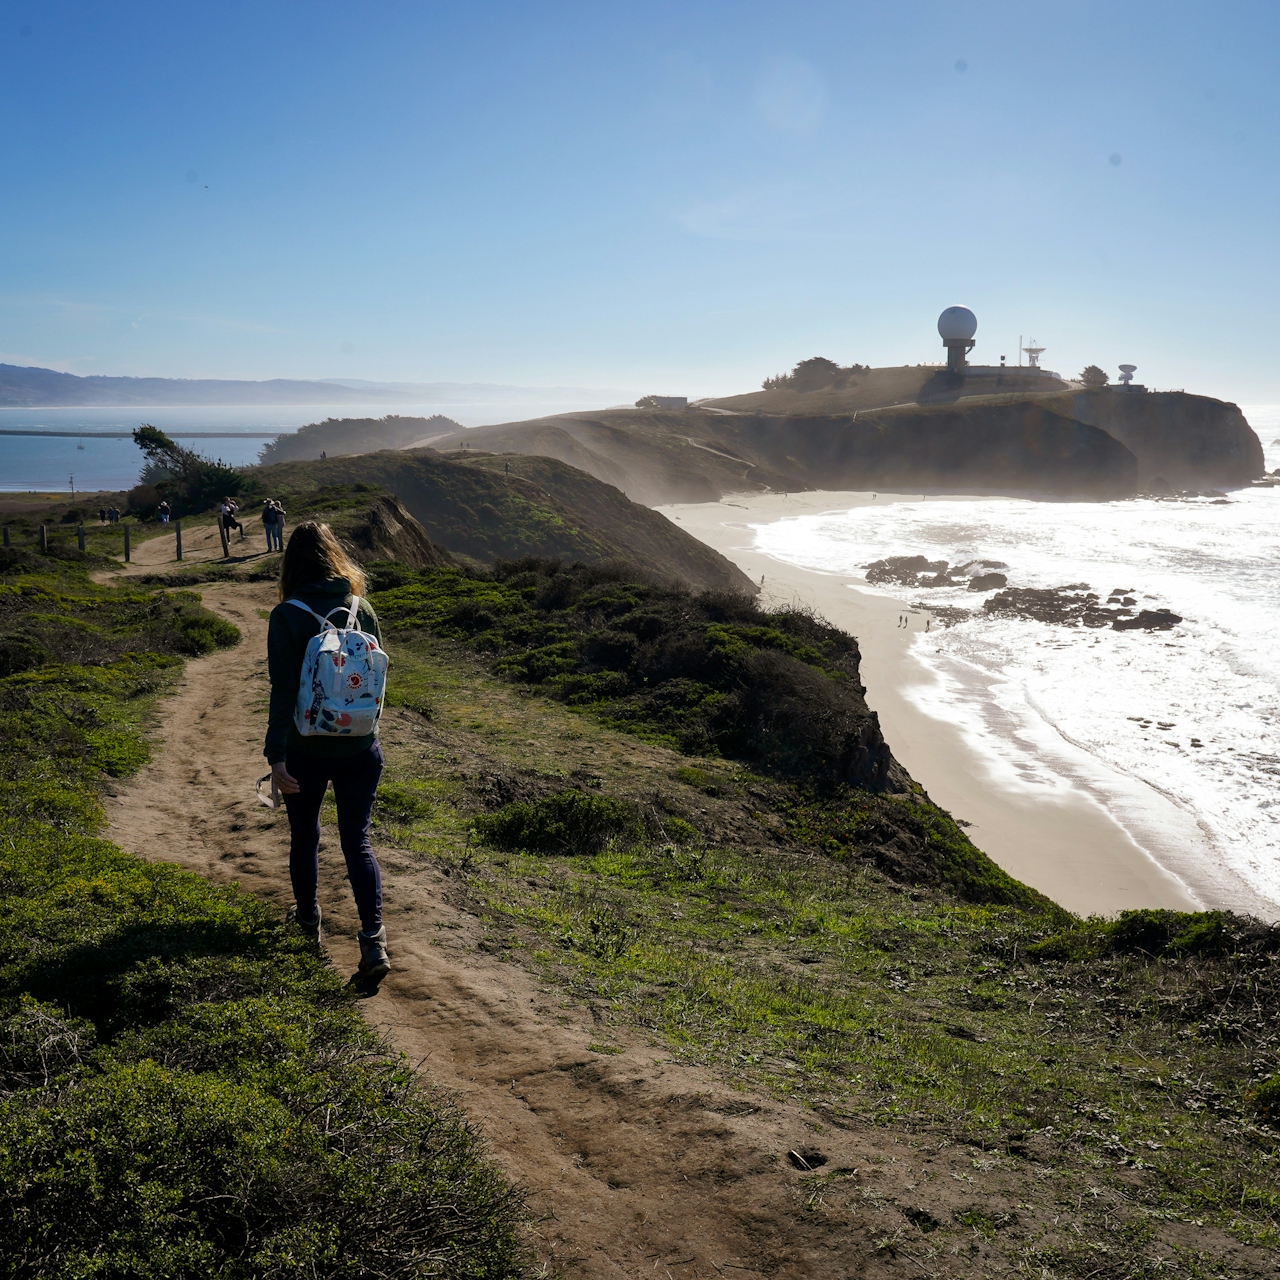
288 632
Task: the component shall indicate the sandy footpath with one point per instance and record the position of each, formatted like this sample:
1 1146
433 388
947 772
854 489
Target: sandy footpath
1066 845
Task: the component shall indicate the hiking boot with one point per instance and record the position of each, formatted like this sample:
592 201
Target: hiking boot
310 928
373 953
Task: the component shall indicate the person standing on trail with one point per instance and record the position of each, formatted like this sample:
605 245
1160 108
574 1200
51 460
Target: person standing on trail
317 579
163 512
270 523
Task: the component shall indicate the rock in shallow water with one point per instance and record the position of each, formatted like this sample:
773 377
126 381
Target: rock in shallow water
1148 620
906 570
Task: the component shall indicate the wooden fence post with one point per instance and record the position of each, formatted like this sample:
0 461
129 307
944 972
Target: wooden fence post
222 537
6 535
80 536
127 556
44 539
177 533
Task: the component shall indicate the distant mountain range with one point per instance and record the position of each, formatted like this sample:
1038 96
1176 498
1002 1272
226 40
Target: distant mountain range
29 387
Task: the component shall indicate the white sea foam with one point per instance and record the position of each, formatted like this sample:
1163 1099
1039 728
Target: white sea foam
1052 707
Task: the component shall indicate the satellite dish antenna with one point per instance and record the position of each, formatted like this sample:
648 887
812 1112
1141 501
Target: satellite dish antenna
956 327
1126 373
1033 354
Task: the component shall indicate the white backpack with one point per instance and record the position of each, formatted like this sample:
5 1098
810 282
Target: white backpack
344 675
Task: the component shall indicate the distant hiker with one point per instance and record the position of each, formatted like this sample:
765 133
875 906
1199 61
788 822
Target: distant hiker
272 521
323 620
102 515
113 515
228 512
323 455
163 512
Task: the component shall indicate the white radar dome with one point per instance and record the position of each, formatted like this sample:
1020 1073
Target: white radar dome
957 322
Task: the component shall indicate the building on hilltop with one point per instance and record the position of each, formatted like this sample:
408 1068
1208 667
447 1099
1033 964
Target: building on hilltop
957 327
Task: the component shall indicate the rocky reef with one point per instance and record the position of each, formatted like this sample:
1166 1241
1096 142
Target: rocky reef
1076 606
1073 605
917 571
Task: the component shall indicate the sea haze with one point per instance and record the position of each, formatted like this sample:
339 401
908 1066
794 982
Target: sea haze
47 463
1112 713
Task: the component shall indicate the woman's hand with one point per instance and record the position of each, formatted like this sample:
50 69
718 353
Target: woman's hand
284 780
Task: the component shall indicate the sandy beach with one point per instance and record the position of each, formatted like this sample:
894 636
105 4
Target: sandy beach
1067 845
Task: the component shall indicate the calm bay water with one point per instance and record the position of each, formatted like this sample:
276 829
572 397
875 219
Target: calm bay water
56 464
1190 716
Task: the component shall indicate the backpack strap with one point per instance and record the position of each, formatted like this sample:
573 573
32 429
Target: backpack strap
323 619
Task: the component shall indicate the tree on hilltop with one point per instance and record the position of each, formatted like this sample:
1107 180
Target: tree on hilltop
187 479
1092 376
815 374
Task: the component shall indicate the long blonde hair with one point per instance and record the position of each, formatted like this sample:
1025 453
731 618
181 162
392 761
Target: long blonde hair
313 554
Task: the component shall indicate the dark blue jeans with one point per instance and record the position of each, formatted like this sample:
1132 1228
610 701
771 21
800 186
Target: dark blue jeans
355 783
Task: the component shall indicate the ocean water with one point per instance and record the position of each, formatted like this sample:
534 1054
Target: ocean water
56 464
1177 733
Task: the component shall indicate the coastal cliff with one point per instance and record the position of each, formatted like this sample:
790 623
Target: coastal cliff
697 455
1187 441
907 429
952 448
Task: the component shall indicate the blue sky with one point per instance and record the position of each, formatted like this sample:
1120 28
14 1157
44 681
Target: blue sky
679 197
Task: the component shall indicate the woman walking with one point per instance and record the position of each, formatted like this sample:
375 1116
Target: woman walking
307 750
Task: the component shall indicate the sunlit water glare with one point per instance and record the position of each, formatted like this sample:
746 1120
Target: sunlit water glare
1053 707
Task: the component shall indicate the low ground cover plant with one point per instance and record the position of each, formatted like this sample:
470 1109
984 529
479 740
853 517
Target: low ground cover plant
186 1089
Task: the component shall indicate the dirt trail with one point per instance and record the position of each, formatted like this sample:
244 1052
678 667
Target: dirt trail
636 1165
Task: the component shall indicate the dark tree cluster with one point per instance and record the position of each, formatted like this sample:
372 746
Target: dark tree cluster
815 374
187 480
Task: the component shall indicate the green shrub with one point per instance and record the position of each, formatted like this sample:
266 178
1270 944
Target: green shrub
708 674
1156 932
1265 1099
401 803
142 1170
911 840
567 822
